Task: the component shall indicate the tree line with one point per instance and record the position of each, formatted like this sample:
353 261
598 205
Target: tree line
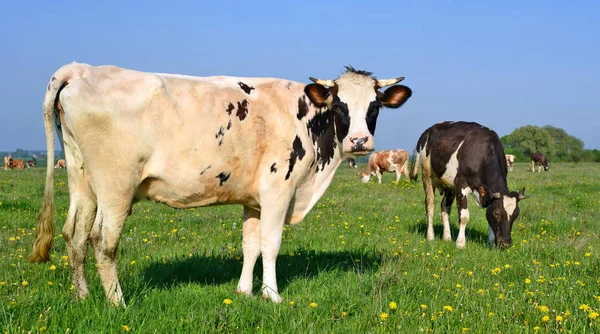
554 142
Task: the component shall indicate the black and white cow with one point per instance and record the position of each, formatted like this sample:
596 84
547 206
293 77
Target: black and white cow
461 158
540 160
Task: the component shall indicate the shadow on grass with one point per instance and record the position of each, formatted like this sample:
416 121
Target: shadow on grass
215 270
438 229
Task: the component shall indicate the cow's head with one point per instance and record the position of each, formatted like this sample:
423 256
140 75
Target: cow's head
364 177
501 214
355 100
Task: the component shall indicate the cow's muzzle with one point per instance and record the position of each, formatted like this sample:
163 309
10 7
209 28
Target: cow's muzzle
360 144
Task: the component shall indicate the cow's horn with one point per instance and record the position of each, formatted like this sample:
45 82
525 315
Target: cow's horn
389 82
326 83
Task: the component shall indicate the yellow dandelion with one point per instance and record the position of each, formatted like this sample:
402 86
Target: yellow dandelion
11 239
384 316
527 281
227 301
593 315
501 296
435 276
344 314
465 329
64 258
491 314
458 286
423 306
49 283
559 318
507 266
125 328
313 304
584 307
52 267
448 308
545 318
536 328
393 306
544 309
292 303
24 283
2 283
588 254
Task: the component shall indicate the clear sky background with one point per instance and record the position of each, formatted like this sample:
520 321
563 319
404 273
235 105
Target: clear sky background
504 64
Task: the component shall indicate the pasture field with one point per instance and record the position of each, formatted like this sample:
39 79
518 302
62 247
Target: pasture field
358 263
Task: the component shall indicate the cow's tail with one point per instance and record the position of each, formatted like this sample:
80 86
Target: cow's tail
45 224
415 161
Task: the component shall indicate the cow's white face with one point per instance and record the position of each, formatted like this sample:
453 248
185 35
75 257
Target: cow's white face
354 99
501 214
365 177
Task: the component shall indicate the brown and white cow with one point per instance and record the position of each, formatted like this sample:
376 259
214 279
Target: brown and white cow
461 158
393 161
270 145
60 163
540 160
510 161
18 164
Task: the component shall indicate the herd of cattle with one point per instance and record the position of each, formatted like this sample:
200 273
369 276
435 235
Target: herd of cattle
10 163
270 145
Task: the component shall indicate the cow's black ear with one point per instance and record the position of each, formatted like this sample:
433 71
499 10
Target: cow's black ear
395 96
522 194
318 95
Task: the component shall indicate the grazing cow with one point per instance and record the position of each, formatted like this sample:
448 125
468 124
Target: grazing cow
460 158
510 161
386 161
352 163
8 160
60 163
540 160
18 164
32 163
271 145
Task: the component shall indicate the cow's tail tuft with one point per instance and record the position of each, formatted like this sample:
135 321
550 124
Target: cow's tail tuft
45 224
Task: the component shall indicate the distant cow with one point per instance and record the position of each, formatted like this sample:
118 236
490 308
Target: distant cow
510 161
60 163
8 160
270 145
31 163
18 164
458 159
540 160
352 163
386 161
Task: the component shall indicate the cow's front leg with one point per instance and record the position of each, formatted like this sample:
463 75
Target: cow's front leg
398 174
272 218
251 249
446 205
429 203
378 172
463 218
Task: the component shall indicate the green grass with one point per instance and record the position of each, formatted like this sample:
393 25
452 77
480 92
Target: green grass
361 248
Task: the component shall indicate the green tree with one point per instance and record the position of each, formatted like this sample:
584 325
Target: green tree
568 148
529 139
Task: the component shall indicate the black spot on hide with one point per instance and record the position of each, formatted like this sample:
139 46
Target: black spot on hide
230 108
273 168
229 125
245 87
322 132
302 107
298 152
223 177
242 111
205 169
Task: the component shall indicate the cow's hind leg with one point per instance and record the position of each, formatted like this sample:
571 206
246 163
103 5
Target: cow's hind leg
398 174
446 206
106 232
251 247
463 218
76 233
429 203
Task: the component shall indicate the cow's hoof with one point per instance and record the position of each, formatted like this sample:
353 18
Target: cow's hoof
273 296
243 292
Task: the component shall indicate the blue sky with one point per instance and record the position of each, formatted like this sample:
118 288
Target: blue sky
503 64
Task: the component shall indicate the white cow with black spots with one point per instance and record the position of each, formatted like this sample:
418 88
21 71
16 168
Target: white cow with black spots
459 159
270 145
